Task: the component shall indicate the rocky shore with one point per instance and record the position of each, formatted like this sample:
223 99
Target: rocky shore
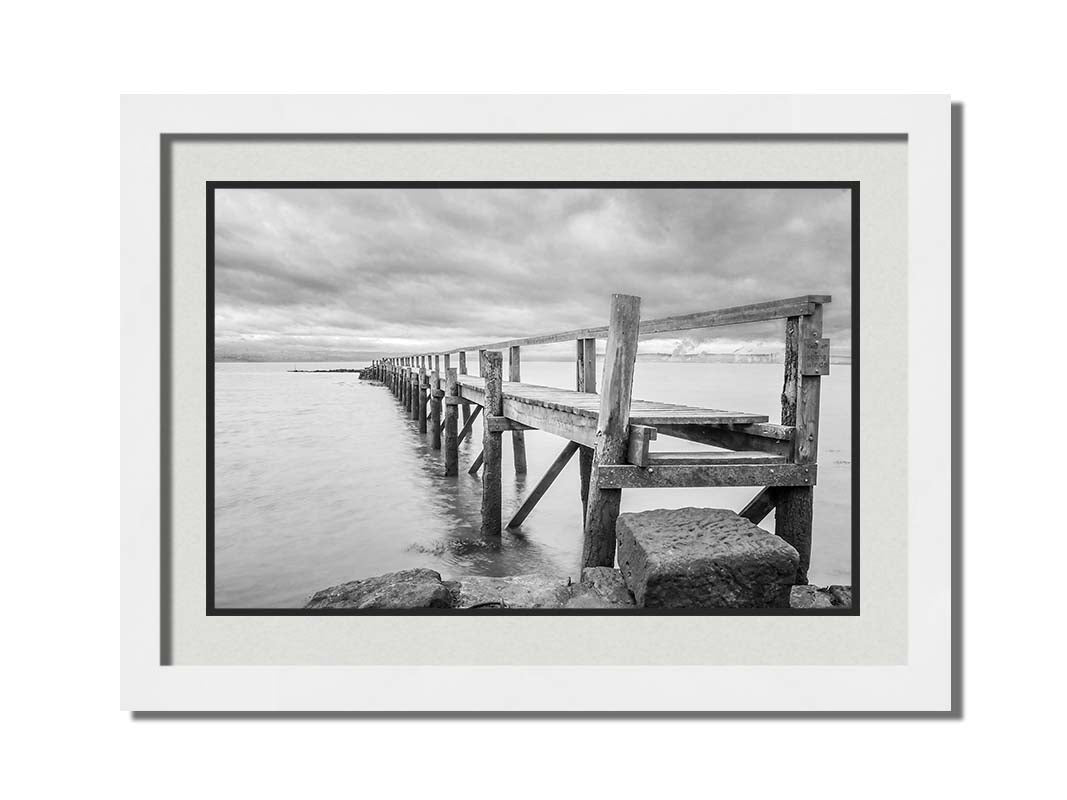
599 587
668 558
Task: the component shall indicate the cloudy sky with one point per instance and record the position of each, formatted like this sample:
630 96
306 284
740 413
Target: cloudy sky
320 274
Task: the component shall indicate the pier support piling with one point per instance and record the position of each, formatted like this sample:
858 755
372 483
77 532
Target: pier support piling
463 371
518 438
585 381
598 547
451 437
421 403
801 392
413 394
492 372
435 409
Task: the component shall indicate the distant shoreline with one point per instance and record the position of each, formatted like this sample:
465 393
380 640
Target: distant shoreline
703 358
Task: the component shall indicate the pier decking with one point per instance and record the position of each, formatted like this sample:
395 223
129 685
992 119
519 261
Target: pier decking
611 432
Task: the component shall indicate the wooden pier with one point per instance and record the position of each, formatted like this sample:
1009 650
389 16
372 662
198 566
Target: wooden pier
611 432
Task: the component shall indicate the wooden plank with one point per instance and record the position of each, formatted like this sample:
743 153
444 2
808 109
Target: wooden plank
735 315
693 417
542 485
585 381
492 371
463 434
518 440
559 423
451 432
626 476
580 404
501 424
477 463
598 546
738 438
760 506
712 457
637 446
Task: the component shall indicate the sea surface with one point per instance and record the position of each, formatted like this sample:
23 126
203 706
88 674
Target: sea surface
320 479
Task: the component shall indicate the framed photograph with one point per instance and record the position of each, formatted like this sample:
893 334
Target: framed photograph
536 403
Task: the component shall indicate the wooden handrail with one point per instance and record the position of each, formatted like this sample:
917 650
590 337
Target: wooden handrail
802 306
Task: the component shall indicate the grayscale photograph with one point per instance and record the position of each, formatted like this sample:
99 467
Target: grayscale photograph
533 398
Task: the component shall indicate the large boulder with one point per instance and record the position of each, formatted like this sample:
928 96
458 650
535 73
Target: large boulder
409 588
703 558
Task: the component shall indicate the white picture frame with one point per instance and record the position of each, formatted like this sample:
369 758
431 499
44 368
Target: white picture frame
923 684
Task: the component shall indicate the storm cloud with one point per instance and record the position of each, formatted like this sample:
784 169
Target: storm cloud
320 274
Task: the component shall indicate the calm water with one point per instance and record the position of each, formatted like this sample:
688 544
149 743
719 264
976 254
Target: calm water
319 479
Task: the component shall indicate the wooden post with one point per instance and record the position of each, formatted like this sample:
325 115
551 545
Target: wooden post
598 547
413 392
491 369
407 389
420 410
463 371
585 381
451 422
518 438
794 505
435 408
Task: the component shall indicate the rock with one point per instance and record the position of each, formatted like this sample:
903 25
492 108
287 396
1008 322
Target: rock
601 587
810 597
409 588
842 595
816 597
703 558
514 591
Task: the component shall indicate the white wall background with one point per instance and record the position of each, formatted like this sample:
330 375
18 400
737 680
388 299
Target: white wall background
62 69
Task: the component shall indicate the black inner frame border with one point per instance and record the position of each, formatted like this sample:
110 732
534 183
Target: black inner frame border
165 383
